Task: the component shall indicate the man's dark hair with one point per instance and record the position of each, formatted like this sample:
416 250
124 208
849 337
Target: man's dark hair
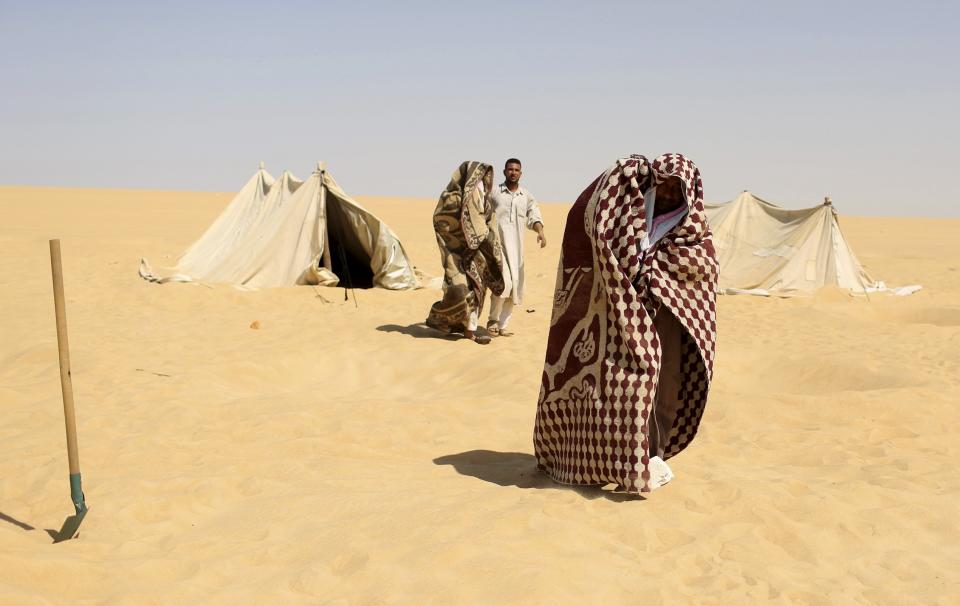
511 161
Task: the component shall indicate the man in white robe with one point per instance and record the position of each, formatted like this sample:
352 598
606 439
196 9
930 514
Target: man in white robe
516 210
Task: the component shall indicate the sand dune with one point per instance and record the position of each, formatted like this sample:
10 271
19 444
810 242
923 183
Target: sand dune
341 454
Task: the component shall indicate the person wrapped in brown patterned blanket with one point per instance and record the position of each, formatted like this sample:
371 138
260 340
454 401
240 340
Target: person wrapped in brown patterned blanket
470 250
633 332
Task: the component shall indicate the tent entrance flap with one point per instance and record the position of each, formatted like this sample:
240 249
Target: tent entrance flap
350 262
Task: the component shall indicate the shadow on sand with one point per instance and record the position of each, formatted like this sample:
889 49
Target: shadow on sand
15 522
419 331
519 469
69 530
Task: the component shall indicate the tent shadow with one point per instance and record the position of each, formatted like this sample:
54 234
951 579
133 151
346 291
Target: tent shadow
519 469
15 522
419 331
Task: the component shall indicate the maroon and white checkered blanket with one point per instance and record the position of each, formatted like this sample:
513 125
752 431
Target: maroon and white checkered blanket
603 359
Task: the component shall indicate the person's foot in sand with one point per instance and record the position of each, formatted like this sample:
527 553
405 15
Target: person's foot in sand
495 330
481 339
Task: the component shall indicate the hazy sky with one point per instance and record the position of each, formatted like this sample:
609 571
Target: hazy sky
793 101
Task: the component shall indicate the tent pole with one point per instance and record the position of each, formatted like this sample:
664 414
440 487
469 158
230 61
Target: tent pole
327 263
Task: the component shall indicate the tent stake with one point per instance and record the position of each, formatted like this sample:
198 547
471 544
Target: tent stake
66 382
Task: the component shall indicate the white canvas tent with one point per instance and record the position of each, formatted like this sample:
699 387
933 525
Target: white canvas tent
281 232
768 250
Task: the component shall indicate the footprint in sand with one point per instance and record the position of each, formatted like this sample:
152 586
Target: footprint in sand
348 564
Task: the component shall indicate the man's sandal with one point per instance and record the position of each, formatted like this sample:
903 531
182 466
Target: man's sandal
493 329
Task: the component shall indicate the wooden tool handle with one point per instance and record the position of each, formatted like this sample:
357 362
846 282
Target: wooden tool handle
66 383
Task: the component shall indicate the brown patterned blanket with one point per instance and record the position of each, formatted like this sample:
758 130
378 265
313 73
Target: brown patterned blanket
470 251
632 336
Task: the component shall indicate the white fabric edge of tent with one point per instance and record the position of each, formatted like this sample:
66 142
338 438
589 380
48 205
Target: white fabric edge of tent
880 287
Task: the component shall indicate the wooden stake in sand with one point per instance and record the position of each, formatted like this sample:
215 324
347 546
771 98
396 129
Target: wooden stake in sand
66 383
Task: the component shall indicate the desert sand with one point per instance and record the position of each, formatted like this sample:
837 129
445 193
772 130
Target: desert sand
340 454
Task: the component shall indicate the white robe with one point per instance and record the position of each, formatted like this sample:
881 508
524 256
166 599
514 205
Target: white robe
516 211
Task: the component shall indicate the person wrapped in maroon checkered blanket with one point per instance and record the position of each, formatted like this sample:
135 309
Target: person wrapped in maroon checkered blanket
633 331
